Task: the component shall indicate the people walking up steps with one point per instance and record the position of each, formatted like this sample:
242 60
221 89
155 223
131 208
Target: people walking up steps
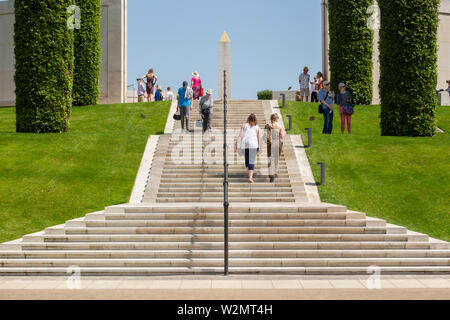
274 135
185 96
206 110
249 142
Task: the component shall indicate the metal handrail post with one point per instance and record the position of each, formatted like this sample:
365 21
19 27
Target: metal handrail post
226 204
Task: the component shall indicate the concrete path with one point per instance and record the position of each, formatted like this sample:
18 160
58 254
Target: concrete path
217 287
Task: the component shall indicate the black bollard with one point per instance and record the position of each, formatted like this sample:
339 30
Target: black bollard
309 137
290 122
284 100
322 173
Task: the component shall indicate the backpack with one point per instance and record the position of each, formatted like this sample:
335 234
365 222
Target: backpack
189 94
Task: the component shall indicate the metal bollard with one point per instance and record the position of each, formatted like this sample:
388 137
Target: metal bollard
290 122
284 100
309 137
322 173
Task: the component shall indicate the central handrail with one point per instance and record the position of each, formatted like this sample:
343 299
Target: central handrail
226 204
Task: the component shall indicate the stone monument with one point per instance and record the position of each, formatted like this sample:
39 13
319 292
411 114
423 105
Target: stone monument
224 64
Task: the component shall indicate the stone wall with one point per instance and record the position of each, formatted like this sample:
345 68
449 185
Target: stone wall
113 74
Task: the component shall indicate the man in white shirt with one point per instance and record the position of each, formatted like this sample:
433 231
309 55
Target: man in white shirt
169 95
304 80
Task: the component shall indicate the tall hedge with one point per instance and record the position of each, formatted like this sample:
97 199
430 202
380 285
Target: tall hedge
87 54
408 66
44 65
351 48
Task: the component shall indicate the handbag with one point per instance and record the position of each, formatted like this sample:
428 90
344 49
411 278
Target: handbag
177 115
321 106
202 92
199 124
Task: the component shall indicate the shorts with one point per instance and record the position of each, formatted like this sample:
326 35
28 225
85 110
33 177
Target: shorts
304 92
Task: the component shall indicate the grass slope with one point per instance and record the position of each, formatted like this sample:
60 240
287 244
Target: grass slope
403 180
47 179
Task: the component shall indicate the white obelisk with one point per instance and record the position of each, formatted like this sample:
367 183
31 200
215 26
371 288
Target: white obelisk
224 64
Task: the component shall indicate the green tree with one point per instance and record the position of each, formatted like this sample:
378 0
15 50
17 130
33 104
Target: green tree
408 66
87 54
351 48
44 65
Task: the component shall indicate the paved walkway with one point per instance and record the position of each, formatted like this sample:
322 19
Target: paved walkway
217 287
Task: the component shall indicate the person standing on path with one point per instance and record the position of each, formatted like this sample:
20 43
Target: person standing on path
343 100
151 81
141 90
304 80
249 141
274 137
169 94
326 100
206 109
196 84
185 105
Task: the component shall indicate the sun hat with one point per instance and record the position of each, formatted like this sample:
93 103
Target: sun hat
341 84
195 73
209 91
325 83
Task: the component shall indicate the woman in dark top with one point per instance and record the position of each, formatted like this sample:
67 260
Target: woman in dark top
343 100
151 81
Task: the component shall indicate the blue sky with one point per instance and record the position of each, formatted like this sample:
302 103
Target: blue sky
271 41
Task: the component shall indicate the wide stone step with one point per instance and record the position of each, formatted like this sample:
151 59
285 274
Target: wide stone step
239 180
366 246
237 186
363 237
232 216
231 194
264 189
135 271
220 223
231 199
233 262
232 230
208 254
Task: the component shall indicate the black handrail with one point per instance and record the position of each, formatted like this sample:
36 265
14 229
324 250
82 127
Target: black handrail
226 204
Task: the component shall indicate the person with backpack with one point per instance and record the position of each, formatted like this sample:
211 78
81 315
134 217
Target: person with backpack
206 109
326 107
185 105
343 100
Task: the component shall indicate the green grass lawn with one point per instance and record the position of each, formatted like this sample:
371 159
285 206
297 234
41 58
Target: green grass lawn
47 179
403 180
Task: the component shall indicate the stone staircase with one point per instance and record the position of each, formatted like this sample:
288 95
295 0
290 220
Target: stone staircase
178 227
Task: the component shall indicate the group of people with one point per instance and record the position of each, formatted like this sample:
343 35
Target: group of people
146 88
249 143
319 89
185 97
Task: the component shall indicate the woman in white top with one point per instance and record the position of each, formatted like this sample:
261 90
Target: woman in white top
249 141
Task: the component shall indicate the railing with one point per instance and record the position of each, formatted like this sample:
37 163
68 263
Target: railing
226 204
134 96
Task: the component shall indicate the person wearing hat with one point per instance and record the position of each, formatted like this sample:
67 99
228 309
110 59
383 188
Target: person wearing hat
206 109
141 90
158 93
326 99
196 85
343 100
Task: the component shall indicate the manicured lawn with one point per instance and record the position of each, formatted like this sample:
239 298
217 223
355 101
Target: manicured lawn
403 180
50 178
